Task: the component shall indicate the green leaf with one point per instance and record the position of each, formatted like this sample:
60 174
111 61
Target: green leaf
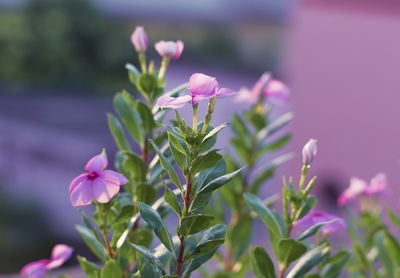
205 161
275 126
289 251
261 263
215 131
308 261
177 143
111 270
392 246
195 223
393 218
118 133
238 126
133 73
146 193
179 158
275 145
146 116
168 167
135 166
206 247
126 255
310 202
149 257
267 217
91 270
126 213
239 234
146 84
333 266
129 116
94 245
154 220
209 175
314 229
218 182
89 224
172 201
141 236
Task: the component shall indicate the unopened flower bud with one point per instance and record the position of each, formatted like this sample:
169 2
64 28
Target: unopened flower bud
309 151
139 39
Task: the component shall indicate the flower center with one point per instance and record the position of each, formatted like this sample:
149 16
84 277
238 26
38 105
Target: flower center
93 175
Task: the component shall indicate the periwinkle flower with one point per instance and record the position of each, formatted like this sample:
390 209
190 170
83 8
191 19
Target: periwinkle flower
314 218
99 184
277 91
60 254
309 151
358 186
169 49
139 39
201 87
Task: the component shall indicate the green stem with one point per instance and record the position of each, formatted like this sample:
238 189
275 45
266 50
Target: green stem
104 232
163 68
195 117
142 61
304 171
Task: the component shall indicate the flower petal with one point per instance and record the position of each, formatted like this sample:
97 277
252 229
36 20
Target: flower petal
78 180
202 85
179 48
35 269
104 189
60 254
245 95
357 186
109 174
225 92
166 48
314 217
97 163
166 101
82 194
277 91
378 185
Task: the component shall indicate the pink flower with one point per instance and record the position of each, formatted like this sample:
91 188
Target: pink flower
309 151
98 184
139 39
314 218
60 254
276 91
169 49
201 87
358 186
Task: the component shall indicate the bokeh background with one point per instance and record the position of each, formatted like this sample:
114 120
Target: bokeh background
61 61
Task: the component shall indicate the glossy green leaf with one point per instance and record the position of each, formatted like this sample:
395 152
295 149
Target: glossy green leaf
129 116
135 166
150 258
333 266
154 220
238 126
289 251
172 201
314 229
215 131
179 158
310 202
146 84
308 261
275 145
261 263
167 166
218 182
91 270
118 133
146 116
205 161
89 225
274 126
94 245
179 145
195 223
133 73
111 270
206 247
209 175
146 193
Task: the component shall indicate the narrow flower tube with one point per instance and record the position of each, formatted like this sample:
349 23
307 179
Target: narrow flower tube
139 39
309 151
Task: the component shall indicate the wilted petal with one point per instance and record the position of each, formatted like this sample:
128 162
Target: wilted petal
378 185
97 163
60 254
179 48
202 85
105 189
225 92
277 90
166 101
110 174
82 194
79 179
35 269
357 186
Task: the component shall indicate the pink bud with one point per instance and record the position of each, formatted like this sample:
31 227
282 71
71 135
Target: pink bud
309 151
169 49
139 39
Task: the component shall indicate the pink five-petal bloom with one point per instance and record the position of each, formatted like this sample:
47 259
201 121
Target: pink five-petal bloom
378 184
169 49
277 91
357 187
253 96
60 254
98 184
139 39
314 218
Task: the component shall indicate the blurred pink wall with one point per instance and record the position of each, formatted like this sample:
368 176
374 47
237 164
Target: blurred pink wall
343 64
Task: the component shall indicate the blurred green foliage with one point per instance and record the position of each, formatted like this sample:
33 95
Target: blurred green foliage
61 43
